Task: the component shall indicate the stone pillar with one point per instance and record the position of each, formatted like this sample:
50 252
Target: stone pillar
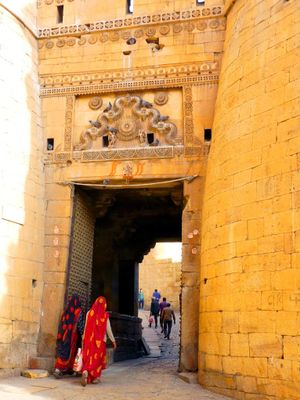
136 289
57 240
190 275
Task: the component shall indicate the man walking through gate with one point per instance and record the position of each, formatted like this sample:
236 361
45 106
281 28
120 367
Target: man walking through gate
162 305
167 315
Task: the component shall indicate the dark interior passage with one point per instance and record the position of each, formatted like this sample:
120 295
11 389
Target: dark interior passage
128 224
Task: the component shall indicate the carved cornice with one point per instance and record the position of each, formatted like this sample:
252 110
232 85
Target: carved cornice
160 152
132 22
175 75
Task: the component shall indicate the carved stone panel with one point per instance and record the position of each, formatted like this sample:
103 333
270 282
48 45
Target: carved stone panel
128 119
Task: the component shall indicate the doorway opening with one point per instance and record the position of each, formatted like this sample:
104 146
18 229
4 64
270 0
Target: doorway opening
113 229
160 276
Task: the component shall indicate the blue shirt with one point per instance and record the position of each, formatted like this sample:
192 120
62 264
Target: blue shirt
156 295
141 296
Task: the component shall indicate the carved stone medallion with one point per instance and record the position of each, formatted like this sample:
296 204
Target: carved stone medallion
95 103
201 25
127 129
177 28
161 98
164 30
150 31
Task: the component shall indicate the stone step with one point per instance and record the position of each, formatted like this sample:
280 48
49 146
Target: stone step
35 373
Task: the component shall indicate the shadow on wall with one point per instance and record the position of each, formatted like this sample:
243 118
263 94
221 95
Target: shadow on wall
22 195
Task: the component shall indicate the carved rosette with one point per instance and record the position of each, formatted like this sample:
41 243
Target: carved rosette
128 129
95 103
161 98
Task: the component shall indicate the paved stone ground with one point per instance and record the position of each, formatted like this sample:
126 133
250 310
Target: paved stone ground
147 378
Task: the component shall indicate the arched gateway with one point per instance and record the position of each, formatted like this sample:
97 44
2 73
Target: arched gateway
130 173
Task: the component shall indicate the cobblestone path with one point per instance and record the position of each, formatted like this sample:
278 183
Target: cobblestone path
148 378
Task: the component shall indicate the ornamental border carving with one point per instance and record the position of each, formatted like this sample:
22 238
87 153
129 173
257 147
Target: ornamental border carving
70 102
161 152
129 22
130 85
88 38
188 114
161 77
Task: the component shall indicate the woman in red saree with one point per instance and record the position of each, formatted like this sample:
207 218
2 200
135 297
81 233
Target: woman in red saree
97 328
69 334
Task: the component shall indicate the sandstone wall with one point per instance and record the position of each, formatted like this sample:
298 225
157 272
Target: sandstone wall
82 62
93 10
162 274
250 277
22 188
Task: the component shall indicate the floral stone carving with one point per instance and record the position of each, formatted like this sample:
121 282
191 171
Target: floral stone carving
129 118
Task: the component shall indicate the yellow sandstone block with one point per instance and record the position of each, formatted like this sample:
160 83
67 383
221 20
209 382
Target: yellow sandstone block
264 344
239 345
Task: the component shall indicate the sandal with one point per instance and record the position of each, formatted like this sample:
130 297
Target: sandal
57 374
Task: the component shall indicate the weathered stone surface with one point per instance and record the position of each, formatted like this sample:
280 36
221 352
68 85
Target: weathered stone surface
42 363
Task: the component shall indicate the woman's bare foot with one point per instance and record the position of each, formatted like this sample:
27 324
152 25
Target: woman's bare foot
84 378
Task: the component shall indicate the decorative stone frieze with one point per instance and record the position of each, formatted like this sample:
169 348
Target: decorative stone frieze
70 101
163 76
188 114
165 17
136 153
115 35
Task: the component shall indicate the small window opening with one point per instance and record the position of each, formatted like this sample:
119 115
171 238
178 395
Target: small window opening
207 135
50 144
34 283
150 138
129 7
105 141
200 2
60 14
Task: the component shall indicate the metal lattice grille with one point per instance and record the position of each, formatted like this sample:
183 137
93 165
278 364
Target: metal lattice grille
80 275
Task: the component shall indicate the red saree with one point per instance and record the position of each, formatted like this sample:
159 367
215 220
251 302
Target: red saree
94 346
